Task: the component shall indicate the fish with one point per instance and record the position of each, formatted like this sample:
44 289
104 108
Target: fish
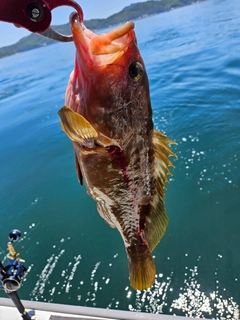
122 159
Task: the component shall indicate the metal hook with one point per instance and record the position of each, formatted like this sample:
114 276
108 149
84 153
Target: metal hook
50 33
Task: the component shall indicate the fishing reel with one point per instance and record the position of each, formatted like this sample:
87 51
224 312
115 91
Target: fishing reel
11 275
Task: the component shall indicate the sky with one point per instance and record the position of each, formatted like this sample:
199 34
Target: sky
92 9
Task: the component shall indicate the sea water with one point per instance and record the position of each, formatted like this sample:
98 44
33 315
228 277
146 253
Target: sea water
192 56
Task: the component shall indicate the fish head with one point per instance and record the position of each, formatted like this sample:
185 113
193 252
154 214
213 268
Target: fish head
109 80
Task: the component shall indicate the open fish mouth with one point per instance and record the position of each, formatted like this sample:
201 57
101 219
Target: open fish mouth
99 50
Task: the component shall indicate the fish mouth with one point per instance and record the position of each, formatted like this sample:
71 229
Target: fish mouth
99 50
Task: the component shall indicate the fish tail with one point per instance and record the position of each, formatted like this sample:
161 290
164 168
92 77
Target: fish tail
142 269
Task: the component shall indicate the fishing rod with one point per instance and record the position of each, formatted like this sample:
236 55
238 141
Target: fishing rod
11 275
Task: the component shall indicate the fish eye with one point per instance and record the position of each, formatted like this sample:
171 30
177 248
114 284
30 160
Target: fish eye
136 71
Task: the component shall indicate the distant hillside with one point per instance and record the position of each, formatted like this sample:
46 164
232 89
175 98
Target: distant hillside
133 12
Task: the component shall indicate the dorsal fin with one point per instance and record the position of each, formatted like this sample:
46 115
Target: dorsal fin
157 220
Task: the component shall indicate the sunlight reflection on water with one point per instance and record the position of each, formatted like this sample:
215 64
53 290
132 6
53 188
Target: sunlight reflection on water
191 300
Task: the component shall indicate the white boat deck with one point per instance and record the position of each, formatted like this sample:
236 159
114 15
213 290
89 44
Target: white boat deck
50 311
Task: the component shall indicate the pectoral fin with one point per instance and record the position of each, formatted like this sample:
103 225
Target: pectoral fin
105 141
77 128
157 220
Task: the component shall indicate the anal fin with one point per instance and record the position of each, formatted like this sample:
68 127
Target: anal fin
104 214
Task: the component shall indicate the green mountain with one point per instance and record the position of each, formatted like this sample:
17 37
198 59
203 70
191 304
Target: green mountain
133 12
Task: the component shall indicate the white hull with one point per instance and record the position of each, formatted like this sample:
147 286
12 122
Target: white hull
51 311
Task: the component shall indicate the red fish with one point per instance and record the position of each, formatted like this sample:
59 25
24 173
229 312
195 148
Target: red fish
121 158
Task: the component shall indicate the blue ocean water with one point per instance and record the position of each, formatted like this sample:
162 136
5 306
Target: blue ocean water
192 58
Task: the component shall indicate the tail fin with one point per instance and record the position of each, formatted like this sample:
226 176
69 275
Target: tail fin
141 267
